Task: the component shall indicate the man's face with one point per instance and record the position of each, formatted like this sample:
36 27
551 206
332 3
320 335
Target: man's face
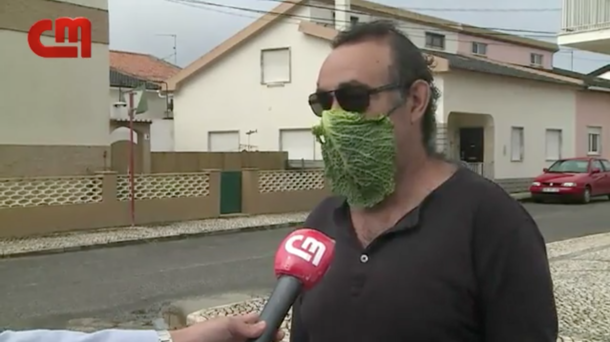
369 64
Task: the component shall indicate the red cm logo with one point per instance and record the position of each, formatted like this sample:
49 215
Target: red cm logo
61 24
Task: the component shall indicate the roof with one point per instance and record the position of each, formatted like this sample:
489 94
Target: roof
487 66
600 71
402 14
590 80
136 119
121 80
287 7
142 66
307 27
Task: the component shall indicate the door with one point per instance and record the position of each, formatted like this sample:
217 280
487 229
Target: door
223 141
599 180
299 143
230 192
472 140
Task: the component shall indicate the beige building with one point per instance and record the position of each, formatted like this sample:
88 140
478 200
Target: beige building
53 112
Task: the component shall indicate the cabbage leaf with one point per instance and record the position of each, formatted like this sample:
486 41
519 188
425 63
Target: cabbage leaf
359 156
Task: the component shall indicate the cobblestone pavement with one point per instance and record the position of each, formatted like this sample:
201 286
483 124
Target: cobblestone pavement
580 272
116 235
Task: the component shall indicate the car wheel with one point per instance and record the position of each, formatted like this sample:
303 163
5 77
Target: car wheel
586 196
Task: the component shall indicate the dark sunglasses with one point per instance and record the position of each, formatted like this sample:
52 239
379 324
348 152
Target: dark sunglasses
352 98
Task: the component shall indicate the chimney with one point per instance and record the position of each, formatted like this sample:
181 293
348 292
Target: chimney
342 14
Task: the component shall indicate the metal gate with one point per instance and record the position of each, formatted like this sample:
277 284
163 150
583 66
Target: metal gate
230 192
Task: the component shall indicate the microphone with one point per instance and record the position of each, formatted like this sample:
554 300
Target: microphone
300 262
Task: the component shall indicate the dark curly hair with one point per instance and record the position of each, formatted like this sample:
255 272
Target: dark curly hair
409 64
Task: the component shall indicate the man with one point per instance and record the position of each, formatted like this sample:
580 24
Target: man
426 251
222 329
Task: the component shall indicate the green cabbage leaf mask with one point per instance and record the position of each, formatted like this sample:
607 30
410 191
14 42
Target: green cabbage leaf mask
359 156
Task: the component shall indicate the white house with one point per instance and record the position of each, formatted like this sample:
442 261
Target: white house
128 70
53 112
586 25
503 110
158 113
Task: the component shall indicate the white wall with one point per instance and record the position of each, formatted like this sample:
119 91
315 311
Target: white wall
161 130
229 96
535 106
52 101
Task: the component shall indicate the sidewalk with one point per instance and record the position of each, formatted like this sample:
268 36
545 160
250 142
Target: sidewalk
80 240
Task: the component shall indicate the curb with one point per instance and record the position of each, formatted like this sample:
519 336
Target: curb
166 238
123 243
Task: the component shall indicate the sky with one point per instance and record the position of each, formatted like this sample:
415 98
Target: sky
146 25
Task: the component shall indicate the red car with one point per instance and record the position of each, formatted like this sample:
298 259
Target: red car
574 178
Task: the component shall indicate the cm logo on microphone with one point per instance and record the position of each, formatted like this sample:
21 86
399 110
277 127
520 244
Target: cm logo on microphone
308 248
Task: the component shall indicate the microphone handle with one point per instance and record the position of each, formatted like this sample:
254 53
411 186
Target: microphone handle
274 312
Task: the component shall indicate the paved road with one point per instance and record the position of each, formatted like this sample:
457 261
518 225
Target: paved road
135 282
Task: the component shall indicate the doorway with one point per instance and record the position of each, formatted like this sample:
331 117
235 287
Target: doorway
472 141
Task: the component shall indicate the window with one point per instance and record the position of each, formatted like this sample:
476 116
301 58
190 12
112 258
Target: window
594 136
596 164
479 48
536 59
606 165
435 41
553 144
516 144
569 166
275 66
353 20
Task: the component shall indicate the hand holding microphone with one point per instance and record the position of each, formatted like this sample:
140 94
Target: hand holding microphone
300 262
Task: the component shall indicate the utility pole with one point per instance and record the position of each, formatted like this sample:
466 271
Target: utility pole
175 46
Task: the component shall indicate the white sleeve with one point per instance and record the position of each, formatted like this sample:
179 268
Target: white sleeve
111 335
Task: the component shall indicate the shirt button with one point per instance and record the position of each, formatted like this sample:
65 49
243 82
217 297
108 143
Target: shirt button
364 258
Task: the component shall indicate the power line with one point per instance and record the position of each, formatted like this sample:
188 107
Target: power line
485 10
223 9
432 9
531 33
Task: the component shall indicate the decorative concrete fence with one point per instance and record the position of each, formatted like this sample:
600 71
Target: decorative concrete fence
282 191
43 205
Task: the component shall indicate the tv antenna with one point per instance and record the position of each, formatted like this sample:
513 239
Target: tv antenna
249 133
175 46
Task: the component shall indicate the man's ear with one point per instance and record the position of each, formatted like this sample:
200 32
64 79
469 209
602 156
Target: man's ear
418 98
